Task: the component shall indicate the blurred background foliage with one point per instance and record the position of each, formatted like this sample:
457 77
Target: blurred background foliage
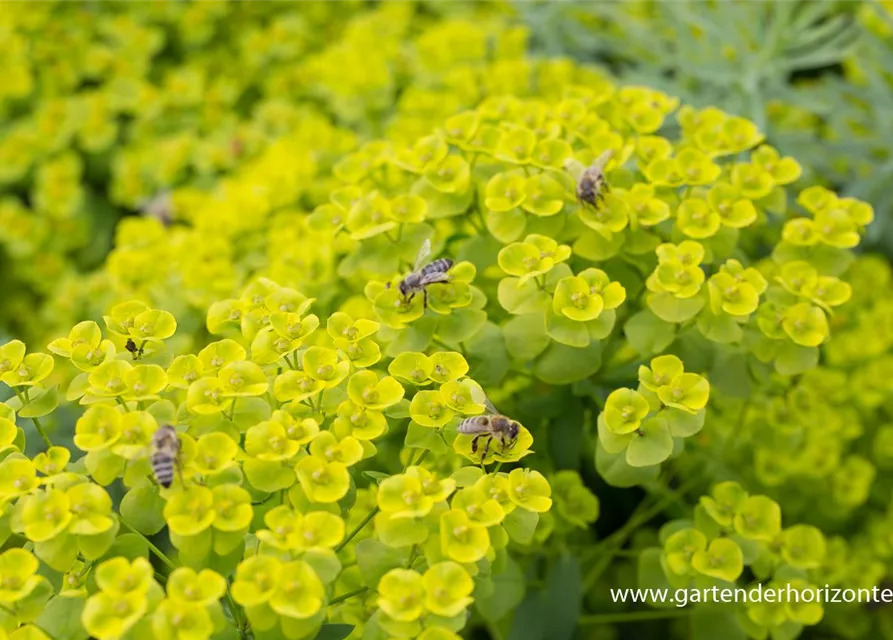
814 75
105 108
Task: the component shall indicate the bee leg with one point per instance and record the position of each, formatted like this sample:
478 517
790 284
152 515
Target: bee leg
486 449
474 443
387 285
425 299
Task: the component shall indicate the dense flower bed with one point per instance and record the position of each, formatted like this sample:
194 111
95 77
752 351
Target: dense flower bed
698 330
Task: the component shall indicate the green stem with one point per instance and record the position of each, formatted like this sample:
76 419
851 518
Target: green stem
43 434
232 409
372 514
634 616
359 527
348 595
122 403
412 556
412 463
236 612
616 539
158 552
443 345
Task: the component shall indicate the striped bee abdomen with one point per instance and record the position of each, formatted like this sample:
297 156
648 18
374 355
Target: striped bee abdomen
165 449
163 467
474 425
438 266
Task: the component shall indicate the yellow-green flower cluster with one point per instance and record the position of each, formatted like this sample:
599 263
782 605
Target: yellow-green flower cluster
641 424
264 474
733 529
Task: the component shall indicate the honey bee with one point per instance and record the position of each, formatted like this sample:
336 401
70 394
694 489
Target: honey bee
490 426
160 207
592 186
165 455
421 277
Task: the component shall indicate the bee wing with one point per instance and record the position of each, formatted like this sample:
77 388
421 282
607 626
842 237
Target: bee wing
492 409
478 395
575 168
602 161
424 252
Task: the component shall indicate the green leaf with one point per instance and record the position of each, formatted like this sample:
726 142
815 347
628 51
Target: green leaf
532 619
375 559
467 476
78 387
376 476
415 337
506 226
420 437
250 411
268 475
130 546
525 336
793 359
683 424
58 552
601 327
62 618
561 364
440 204
334 631
651 443
618 473
669 308
163 411
460 325
399 410
729 374
487 356
41 404
95 546
719 328
508 592
104 466
226 564
717 622
142 509
566 331
521 299
721 245
593 246
648 334
324 562
650 575
194 551
521 524
564 597
31 606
